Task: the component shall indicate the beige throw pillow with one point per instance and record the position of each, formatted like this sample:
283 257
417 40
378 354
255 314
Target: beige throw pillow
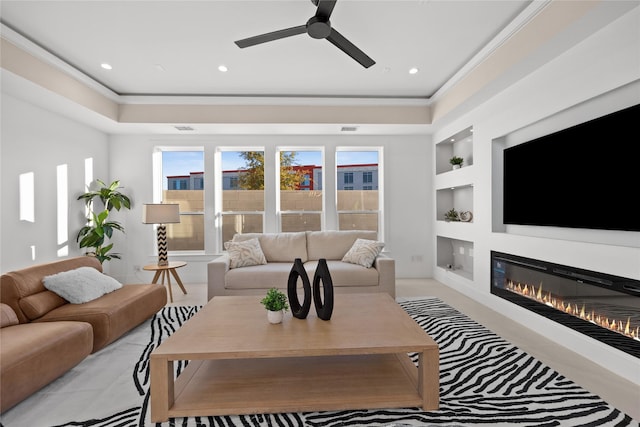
363 252
245 254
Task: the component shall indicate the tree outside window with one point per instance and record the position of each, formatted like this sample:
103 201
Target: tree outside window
252 174
301 198
242 193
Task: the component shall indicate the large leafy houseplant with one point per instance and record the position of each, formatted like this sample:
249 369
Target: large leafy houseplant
99 229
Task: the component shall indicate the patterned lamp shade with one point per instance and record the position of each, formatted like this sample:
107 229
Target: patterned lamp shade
159 213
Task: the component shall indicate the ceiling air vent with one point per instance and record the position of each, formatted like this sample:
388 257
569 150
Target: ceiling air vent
183 128
349 129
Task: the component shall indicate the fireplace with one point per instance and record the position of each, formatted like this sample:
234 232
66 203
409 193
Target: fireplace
602 306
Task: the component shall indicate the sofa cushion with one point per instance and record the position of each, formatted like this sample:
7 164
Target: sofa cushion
271 275
7 316
115 313
39 304
19 284
34 354
279 247
334 244
344 274
81 284
245 254
363 252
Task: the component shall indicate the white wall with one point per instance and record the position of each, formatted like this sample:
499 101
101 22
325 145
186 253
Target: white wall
407 180
36 140
596 77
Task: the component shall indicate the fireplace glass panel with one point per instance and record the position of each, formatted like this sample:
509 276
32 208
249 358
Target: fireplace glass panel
602 306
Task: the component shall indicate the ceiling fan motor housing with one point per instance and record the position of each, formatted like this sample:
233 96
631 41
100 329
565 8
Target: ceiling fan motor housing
318 28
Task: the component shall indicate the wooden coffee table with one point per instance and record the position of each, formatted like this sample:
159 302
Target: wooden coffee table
242 364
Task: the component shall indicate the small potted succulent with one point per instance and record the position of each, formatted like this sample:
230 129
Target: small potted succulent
276 304
452 215
456 162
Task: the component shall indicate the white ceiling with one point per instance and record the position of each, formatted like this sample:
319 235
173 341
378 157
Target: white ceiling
175 47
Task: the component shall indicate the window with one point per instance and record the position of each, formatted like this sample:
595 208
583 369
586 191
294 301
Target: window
182 174
236 197
300 193
348 177
198 182
233 183
175 183
359 203
242 204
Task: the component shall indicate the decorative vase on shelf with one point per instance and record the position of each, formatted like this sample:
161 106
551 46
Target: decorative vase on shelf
466 216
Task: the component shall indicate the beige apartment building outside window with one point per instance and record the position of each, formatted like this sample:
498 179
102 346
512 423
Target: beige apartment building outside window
239 205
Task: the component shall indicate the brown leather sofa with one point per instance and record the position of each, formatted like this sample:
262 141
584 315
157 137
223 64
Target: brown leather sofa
43 336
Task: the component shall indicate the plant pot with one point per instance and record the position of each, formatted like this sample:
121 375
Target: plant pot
456 167
275 317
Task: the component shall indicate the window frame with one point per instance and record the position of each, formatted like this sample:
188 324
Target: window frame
158 188
380 210
219 213
281 213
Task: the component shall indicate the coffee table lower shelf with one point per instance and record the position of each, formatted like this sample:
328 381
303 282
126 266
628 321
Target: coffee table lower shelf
294 384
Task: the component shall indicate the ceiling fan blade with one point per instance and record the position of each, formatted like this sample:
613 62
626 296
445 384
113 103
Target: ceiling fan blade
349 48
325 7
275 35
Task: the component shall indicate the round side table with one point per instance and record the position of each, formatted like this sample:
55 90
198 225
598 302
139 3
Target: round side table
166 271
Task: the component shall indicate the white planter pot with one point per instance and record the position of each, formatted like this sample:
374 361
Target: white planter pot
456 166
275 316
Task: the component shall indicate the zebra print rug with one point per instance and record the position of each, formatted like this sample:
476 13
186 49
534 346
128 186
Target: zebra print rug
484 381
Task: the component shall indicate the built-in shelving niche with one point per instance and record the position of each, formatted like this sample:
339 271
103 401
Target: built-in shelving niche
459 198
460 145
456 256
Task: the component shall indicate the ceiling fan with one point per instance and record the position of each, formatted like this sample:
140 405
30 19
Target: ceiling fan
318 27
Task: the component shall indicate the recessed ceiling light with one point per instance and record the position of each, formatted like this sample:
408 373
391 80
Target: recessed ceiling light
106 66
223 68
413 70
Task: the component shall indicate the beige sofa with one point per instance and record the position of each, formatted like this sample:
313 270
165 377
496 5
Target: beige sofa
43 336
280 251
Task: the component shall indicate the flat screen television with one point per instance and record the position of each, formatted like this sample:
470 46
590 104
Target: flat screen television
585 176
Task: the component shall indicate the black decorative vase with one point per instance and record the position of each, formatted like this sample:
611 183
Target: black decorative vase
299 311
324 306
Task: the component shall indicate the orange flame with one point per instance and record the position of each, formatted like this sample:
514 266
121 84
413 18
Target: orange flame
616 325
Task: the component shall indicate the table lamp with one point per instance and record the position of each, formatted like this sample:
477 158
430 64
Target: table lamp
161 214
